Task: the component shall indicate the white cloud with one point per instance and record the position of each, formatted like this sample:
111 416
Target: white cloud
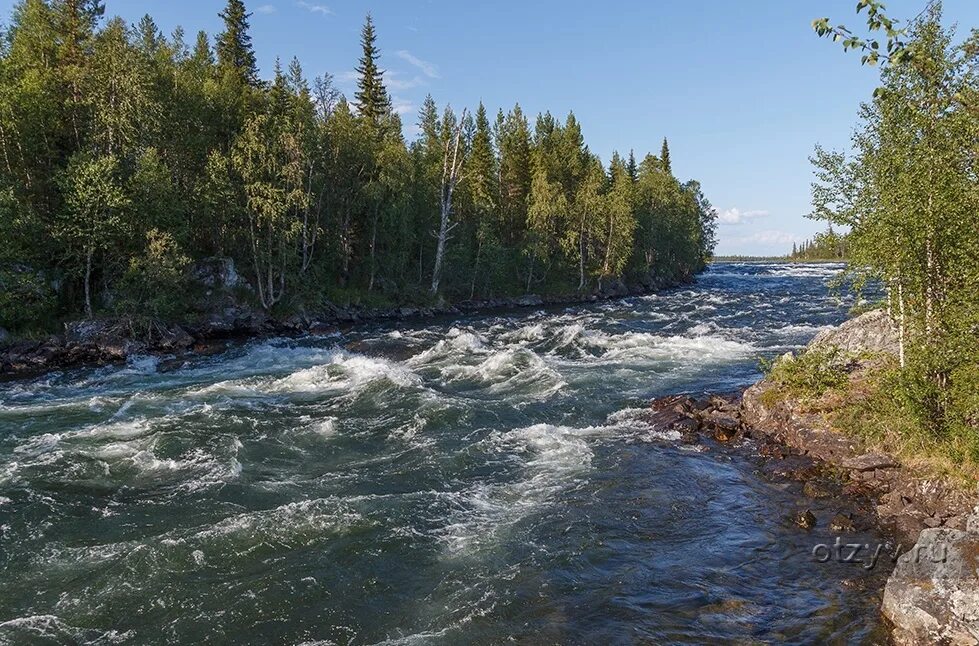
393 82
428 69
768 237
315 8
349 76
737 216
402 106
266 8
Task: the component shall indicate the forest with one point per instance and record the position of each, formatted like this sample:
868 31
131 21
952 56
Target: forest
127 156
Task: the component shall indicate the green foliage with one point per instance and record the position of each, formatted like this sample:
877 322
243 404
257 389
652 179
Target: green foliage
809 375
909 197
156 284
127 154
27 301
895 48
878 412
827 245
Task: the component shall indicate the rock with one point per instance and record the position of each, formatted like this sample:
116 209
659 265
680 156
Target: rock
724 425
804 519
530 300
217 273
4 337
88 331
175 338
869 462
841 523
813 489
932 596
871 332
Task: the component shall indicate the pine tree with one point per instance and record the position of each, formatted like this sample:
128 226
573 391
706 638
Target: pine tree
234 45
373 102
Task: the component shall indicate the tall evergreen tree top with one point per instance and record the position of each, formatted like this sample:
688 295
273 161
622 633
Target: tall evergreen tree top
632 166
234 45
372 97
664 157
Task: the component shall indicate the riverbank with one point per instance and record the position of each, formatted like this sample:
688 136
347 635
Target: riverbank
113 340
932 595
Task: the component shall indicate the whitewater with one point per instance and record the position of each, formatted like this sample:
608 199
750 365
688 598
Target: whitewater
475 480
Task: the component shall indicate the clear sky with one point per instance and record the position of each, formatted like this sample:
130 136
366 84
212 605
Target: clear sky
743 89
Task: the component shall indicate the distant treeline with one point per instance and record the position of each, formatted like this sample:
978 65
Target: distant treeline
827 245
127 155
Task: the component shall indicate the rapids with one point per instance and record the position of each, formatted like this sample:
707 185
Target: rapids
478 480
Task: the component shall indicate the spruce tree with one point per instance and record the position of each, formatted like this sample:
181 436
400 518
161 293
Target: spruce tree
664 157
234 45
632 167
373 101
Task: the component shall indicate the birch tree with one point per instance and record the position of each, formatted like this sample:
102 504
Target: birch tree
453 157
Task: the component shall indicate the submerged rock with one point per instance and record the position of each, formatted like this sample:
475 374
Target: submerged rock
841 523
804 519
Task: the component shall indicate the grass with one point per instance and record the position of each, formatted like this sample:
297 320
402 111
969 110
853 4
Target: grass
867 397
806 377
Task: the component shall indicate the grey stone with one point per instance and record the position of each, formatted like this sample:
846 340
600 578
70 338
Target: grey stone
932 596
869 462
217 273
871 332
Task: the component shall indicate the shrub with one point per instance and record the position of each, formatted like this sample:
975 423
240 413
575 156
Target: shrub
156 285
809 375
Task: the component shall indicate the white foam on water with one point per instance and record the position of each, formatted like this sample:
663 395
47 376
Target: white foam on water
512 370
303 522
822 270
456 343
345 372
634 422
52 628
326 427
533 332
551 458
647 347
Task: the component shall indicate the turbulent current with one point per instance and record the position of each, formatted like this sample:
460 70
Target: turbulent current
478 480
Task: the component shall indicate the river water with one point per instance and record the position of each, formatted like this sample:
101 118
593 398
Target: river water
482 480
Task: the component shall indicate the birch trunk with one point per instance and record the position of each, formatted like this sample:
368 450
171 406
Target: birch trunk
451 174
88 282
901 324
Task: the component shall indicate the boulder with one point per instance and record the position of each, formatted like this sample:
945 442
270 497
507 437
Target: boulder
4 337
175 338
217 273
530 300
872 332
932 596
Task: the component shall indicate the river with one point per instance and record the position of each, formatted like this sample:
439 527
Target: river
479 480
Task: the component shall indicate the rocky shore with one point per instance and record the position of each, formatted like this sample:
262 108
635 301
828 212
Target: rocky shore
932 595
225 318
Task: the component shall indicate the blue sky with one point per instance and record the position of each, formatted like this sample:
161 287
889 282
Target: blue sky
742 88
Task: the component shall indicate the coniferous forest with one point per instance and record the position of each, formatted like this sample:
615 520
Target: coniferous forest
129 155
